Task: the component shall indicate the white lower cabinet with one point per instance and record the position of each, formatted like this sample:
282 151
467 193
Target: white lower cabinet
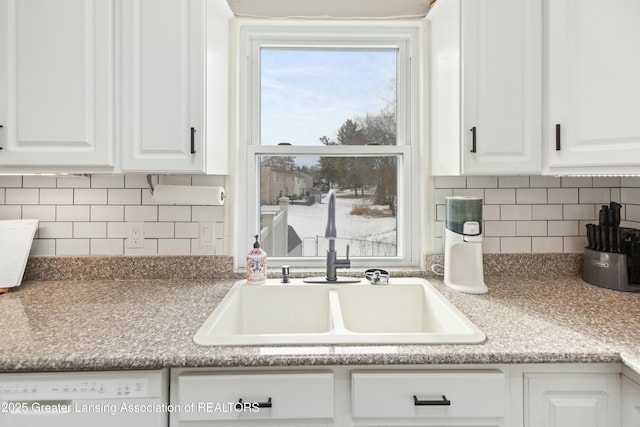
506 395
572 399
425 395
630 404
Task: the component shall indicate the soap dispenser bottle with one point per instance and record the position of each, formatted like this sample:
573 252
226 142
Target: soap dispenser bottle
256 264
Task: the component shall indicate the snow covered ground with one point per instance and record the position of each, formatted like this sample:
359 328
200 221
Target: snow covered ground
367 236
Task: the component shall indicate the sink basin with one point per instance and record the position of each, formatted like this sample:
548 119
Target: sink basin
406 311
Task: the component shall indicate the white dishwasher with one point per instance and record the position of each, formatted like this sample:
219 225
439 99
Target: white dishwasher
75 399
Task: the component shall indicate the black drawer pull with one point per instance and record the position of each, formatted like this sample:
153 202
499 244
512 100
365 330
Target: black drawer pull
443 402
473 139
266 404
193 140
558 137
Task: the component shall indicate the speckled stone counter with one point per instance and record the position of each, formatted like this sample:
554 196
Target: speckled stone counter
138 324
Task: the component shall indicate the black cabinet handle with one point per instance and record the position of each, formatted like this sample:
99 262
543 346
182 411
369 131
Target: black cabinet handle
443 402
558 137
473 139
1 126
193 140
266 404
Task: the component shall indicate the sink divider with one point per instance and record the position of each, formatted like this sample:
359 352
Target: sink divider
336 311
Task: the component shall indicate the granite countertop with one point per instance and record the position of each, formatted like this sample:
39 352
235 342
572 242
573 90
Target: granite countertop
144 324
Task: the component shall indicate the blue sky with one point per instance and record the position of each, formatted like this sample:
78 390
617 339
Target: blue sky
310 93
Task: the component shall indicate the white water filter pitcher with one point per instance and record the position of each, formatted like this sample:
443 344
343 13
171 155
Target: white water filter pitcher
463 245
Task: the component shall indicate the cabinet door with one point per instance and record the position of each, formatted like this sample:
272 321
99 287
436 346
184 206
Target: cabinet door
592 85
572 400
57 83
630 403
502 86
162 88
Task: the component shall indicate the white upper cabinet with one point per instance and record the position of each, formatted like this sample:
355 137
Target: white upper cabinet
592 86
164 91
57 85
486 87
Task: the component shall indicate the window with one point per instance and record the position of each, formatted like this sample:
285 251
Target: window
329 106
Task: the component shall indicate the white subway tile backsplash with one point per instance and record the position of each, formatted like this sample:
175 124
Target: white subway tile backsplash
117 230
491 245
187 230
39 212
56 196
174 246
89 230
43 247
544 181
73 182
531 228
159 230
500 196
541 213
150 248
531 196
482 182
489 212
515 245
107 246
594 195
441 194
21 196
499 228
606 181
10 212
450 182
72 247
135 181
469 192
546 212
121 196
207 213
10 181
38 181
574 244
91 215
587 212
513 182
55 230
546 244
562 195
90 196
632 213
515 212
107 181
107 213
73 213
141 213
563 228
576 181
174 213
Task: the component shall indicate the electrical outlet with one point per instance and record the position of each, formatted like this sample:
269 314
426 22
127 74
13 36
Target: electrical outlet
135 237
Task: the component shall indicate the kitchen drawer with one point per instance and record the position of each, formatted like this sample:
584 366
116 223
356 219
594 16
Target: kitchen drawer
391 394
214 396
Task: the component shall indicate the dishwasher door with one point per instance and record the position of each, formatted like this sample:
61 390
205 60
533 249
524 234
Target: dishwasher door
75 399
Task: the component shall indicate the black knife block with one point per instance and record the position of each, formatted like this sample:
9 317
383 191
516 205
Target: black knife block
608 270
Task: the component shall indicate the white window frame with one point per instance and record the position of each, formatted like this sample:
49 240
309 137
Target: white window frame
401 35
